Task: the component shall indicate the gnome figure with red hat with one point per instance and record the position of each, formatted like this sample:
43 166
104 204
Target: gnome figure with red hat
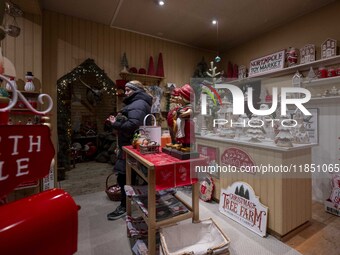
184 129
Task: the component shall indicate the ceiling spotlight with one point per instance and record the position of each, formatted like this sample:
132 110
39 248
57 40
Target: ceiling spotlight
214 21
161 3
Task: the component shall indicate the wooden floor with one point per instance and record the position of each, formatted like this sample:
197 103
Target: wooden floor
322 237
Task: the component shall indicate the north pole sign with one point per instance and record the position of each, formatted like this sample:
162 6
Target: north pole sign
26 152
267 64
240 203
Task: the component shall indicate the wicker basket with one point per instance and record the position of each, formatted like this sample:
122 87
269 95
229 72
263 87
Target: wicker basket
148 149
113 192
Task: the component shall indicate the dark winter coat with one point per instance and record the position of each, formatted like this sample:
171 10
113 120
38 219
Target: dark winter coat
137 106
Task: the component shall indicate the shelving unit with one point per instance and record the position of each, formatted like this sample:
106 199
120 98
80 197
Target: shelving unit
134 160
20 113
143 78
325 99
322 81
292 69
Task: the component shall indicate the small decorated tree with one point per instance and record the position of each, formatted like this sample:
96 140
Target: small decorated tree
124 63
255 131
284 137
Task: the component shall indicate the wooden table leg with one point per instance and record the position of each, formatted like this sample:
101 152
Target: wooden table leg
195 202
152 212
128 182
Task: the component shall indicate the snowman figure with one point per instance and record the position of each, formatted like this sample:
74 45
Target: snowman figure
29 86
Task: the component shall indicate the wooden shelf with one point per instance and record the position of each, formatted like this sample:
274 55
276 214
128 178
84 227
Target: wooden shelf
291 70
322 81
327 99
143 78
36 93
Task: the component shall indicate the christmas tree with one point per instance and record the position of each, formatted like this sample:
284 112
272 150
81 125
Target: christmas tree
284 137
124 63
255 131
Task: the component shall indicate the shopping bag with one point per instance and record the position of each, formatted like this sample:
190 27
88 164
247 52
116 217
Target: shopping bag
154 132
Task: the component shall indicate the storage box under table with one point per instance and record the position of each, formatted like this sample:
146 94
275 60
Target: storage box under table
200 238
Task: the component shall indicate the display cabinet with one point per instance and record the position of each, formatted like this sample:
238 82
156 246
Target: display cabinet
288 196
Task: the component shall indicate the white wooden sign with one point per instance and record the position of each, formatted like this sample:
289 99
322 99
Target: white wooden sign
307 54
267 64
240 203
328 48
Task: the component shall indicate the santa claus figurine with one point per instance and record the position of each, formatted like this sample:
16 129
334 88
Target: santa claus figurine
185 126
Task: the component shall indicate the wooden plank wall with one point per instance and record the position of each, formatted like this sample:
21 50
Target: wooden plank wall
68 41
24 51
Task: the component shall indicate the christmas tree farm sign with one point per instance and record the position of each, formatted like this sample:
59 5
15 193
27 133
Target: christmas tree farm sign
240 203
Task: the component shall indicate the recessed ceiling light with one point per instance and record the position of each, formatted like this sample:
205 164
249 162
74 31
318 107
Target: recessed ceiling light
161 3
214 21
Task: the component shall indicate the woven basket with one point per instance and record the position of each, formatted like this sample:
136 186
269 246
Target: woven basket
113 192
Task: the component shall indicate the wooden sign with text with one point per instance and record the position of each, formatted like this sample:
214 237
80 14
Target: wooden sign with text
26 152
240 203
267 64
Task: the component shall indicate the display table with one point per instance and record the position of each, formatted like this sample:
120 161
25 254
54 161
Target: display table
162 171
288 196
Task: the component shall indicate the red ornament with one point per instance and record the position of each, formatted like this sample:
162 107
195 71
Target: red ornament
160 69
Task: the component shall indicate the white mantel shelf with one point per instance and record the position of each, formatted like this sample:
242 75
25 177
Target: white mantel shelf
326 99
264 144
292 69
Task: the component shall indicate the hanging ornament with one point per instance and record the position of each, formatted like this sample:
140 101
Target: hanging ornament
29 86
217 59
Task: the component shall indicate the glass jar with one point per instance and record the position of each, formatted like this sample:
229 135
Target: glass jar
165 138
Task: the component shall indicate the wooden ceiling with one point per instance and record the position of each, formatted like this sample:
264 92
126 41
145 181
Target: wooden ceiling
185 21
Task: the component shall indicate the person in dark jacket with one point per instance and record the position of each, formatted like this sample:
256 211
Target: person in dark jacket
137 105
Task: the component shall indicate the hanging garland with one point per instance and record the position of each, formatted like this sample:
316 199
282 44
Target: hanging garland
64 103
